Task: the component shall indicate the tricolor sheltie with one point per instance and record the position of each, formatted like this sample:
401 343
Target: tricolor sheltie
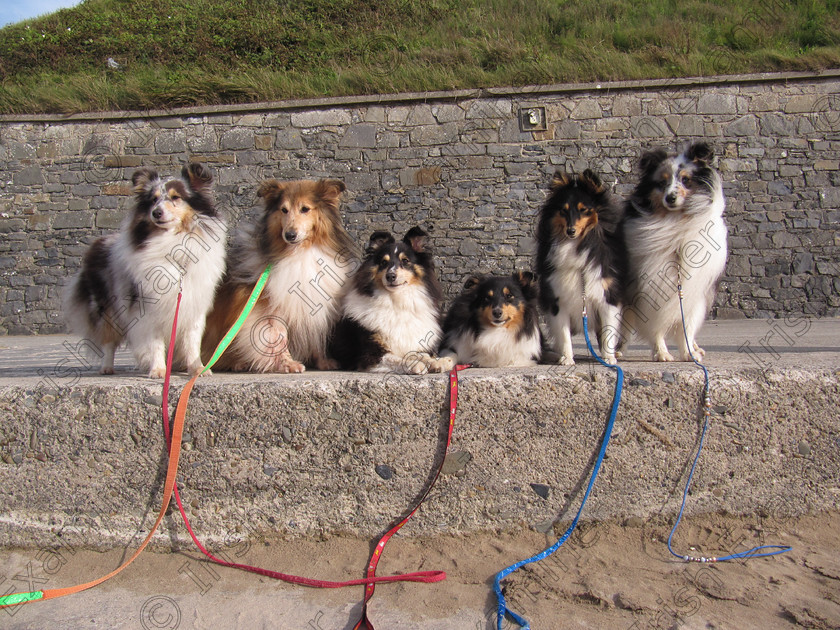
579 249
301 235
391 313
127 287
494 322
674 229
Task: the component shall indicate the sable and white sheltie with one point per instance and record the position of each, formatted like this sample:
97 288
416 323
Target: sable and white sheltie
128 285
301 235
579 249
494 322
391 313
674 230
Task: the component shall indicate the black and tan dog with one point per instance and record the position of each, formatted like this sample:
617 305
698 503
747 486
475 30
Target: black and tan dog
494 322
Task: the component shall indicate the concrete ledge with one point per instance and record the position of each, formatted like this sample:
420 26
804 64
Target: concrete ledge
297 455
407 98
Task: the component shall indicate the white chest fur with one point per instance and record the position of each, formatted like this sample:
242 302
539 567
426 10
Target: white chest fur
405 320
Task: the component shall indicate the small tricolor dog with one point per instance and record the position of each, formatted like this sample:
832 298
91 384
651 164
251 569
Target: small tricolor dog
494 322
391 314
127 287
674 233
580 251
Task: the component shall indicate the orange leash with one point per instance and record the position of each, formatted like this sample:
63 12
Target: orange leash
16 599
174 454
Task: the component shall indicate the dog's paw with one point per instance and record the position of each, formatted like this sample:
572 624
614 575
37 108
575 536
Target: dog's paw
442 364
291 367
418 366
196 369
157 372
663 355
618 354
699 353
566 360
610 359
326 364
106 370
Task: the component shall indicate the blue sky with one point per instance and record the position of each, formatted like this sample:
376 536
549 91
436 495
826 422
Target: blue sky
16 10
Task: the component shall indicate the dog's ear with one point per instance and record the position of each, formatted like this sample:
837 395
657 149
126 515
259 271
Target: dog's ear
699 152
560 180
471 283
417 240
142 180
524 278
197 175
271 190
650 160
377 239
329 191
591 181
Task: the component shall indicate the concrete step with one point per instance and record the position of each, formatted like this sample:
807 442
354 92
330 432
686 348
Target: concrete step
297 455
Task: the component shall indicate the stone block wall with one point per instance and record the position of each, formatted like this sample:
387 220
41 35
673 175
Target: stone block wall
471 167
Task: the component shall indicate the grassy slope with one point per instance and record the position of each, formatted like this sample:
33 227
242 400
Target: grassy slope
180 52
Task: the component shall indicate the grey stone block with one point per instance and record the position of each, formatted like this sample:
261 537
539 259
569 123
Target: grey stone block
288 138
108 218
237 139
29 176
362 136
717 104
68 220
329 117
448 112
170 142
434 134
744 126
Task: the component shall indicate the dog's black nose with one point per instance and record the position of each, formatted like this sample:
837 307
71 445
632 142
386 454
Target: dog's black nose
391 276
571 231
290 236
671 198
157 213
497 312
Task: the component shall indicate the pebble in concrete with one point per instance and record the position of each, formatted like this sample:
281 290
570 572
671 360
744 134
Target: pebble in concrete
384 471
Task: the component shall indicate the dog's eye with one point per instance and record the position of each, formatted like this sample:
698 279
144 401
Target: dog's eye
587 212
406 263
284 210
383 263
509 298
304 209
175 197
685 180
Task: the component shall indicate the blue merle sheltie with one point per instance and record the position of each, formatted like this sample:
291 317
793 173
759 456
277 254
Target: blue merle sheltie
494 322
580 251
128 284
674 231
391 313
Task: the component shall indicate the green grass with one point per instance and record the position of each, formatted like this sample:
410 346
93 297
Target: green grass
193 52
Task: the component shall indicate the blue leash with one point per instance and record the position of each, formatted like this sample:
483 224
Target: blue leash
755 552
502 607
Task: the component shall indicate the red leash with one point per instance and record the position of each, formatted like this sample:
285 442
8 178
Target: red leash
371 579
364 621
